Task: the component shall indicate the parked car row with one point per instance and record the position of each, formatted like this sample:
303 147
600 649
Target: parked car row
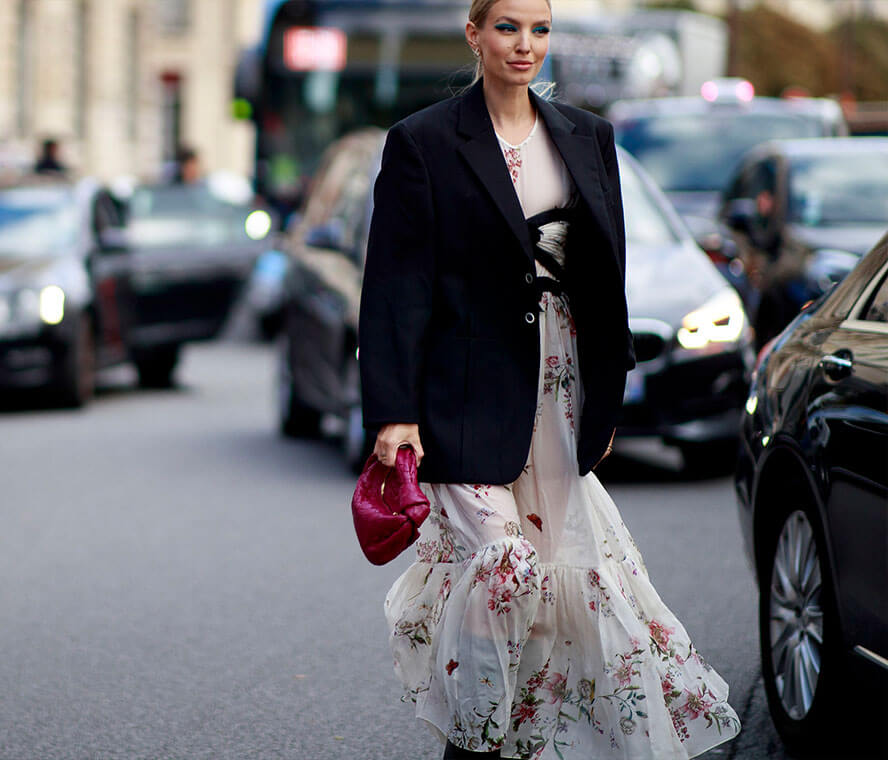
88 280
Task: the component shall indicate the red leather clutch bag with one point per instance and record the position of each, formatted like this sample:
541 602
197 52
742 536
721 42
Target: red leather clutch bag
388 507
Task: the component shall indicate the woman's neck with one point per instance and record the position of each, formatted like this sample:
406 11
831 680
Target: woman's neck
510 111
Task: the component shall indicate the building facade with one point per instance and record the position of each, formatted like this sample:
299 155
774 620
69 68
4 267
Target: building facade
121 83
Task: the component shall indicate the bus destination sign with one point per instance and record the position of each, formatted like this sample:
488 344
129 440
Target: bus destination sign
314 48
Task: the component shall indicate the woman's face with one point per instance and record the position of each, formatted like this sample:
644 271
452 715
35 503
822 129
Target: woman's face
512 40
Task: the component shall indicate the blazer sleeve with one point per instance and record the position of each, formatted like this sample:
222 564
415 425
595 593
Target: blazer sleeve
609 154
396 296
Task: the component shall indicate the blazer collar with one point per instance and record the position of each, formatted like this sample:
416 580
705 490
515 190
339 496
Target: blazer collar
482 153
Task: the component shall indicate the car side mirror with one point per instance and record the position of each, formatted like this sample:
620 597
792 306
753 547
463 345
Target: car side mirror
329 235
739 214
112 240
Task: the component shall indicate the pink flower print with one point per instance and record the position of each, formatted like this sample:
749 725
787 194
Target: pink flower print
660 634
522 712
552 361
513 162
624 674
557 687
593 606
698 704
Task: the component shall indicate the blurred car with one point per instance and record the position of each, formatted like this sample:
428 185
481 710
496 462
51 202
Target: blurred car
192 249
812 487
63 283
691 145
691 335
803 213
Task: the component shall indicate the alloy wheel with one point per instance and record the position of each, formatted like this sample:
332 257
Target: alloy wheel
796 615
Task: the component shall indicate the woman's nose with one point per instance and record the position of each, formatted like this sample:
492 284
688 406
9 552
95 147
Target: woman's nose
523 43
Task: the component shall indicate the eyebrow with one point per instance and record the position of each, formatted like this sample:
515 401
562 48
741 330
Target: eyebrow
547 22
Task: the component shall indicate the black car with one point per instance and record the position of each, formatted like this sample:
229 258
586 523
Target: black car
63 287
812 487
803 212
87 281
192 249
692 339
691 145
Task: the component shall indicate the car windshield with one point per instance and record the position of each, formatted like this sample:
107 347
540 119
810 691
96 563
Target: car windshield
696 153
36 221
839 189
646 223
183 215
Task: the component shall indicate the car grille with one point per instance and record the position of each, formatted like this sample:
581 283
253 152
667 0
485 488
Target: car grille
648 346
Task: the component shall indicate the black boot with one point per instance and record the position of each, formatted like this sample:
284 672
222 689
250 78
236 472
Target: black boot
452 752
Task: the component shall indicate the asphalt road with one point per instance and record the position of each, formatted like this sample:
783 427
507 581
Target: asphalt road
176 581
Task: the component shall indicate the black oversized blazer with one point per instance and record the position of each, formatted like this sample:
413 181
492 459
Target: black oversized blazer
448 333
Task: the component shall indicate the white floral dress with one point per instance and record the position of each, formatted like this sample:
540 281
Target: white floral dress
528 622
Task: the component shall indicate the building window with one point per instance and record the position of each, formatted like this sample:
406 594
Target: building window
81 68
171 113
24 21
133 76
174 16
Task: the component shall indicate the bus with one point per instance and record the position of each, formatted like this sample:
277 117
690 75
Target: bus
322 69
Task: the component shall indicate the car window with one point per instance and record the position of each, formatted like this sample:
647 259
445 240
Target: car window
699 152
840 188
36 221
646 223
877 310
163 216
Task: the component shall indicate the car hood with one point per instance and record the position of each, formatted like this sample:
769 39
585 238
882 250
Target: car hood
665 282
703 204
854 238
19 271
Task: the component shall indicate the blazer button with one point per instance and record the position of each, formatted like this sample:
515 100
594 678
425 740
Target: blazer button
528 278
530 317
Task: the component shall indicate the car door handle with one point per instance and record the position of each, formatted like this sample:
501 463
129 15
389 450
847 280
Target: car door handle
838 365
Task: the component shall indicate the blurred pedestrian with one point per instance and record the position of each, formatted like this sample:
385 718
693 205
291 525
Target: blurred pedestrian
48 159
188 169
495 341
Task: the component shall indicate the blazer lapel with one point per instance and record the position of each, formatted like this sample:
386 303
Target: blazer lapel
579 154
484 156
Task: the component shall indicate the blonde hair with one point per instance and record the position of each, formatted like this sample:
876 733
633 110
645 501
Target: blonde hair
477 15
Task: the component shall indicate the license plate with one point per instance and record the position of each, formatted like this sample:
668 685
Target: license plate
634 392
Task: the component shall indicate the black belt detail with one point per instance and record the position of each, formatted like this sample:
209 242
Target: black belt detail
548 285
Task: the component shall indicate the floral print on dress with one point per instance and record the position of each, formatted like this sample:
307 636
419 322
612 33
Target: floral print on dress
576 656
513 162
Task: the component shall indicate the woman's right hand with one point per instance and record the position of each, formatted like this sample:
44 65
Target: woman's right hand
391 437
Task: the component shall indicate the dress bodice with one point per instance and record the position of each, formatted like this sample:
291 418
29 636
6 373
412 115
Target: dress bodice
546 194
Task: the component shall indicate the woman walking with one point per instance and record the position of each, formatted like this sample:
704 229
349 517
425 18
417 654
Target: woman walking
495 342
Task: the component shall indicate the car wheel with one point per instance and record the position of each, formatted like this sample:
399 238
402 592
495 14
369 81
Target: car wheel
76 384
295 419
356 445
156 366
798 631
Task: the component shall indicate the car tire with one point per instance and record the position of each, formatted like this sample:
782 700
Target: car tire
76 382
156 366
801 651
295 419
356 444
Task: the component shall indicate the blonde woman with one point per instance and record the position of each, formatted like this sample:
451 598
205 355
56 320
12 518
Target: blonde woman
495 341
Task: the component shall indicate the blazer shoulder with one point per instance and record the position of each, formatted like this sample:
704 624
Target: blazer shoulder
427 126
587 122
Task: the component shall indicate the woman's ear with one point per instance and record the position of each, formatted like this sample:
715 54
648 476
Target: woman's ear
472 36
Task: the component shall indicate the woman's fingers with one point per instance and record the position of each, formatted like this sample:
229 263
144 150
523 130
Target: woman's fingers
391 437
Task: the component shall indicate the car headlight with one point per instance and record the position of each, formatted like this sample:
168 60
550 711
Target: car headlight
52 304
720 320
29 307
